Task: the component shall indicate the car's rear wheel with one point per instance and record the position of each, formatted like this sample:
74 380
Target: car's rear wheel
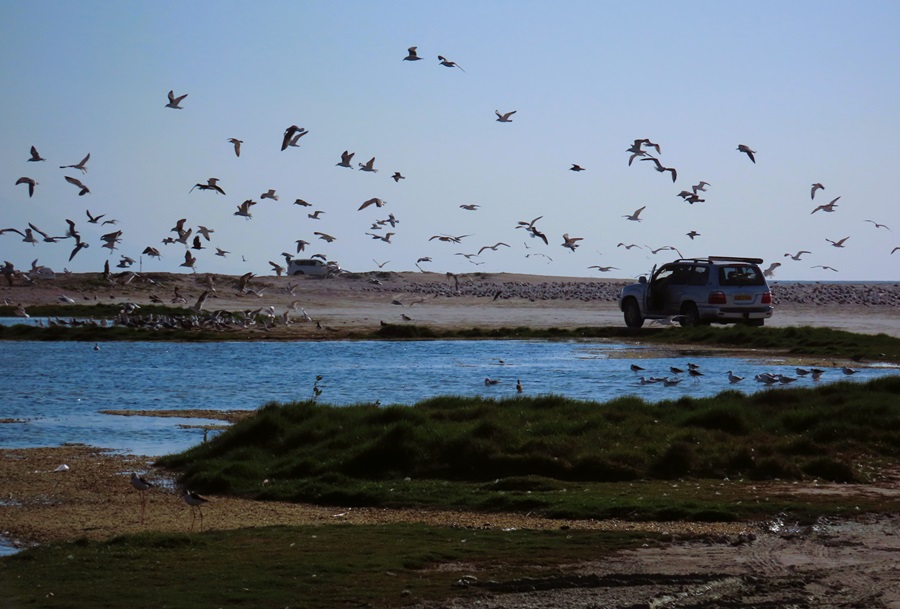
632 311
690 315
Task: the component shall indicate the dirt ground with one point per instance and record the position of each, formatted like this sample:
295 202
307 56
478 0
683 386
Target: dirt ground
851 562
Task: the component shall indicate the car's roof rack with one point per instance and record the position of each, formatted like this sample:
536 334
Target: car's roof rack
722 259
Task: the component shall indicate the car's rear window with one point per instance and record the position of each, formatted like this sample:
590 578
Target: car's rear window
740 275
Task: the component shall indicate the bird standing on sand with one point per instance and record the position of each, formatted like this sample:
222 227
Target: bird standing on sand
138 482
194 501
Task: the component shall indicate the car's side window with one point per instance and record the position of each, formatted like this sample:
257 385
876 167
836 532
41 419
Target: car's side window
699 275
680 275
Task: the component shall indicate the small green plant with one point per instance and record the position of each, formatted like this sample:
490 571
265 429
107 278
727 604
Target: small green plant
317 391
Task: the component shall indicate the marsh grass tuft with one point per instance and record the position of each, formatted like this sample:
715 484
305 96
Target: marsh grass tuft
518 453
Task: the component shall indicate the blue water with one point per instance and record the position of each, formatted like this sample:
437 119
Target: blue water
54 391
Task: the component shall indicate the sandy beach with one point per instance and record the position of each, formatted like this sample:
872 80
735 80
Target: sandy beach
361 302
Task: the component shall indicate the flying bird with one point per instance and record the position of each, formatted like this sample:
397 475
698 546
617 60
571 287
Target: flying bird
576 167
469 206
571 242
769 272
189 260
449 64
315 215
397 177
244 209
295 140
411 54
152 252
746 150
877 225
369 166
324 236
504 118
604 269
31 184
269 194
345 159
628 246
839 243
635 217
35 156
659 167
492 247
700 187
211 184
693 234
237 145
302 203
202 230
824 266
827 207
174 101
797 255
80 166
815 187
373 201
77 182
289 135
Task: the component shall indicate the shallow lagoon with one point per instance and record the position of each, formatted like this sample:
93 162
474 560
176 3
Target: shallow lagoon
56 390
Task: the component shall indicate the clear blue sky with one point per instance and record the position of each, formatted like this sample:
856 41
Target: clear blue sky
812 87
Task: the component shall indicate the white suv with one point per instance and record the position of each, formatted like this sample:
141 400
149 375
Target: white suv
694 291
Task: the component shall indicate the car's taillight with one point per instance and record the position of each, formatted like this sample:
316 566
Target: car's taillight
767 298
717 298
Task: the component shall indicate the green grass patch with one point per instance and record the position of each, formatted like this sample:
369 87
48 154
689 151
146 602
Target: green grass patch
552 455
312 567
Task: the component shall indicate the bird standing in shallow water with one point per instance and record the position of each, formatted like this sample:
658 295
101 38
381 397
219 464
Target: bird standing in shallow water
518 386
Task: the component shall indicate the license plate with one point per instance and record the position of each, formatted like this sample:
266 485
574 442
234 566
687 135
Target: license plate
742 297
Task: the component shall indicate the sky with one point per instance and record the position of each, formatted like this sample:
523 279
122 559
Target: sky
811 87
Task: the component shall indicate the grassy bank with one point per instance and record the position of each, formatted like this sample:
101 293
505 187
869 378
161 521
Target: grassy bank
555 456
313 567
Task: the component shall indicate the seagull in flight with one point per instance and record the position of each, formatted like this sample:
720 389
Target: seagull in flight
80 166
659 167
31 184
469 206
827 207
369 166
493 247
244 209
571 242
345 159
289 135
397 177
237 145
839 243
35 156
449 64
877 225
823 266
797 255
604 269
692 234
174 101
75 181
815 187
576 167
746 150
325 237
411 54
373 201
628 246
211 184
269 194
635 217
504 118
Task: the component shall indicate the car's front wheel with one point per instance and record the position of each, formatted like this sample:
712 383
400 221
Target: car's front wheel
632 311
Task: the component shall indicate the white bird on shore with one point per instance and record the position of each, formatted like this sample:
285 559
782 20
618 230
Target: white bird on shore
194 501
733 378
141 484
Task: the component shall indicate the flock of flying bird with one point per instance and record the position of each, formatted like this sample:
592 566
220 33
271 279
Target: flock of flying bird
195 239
